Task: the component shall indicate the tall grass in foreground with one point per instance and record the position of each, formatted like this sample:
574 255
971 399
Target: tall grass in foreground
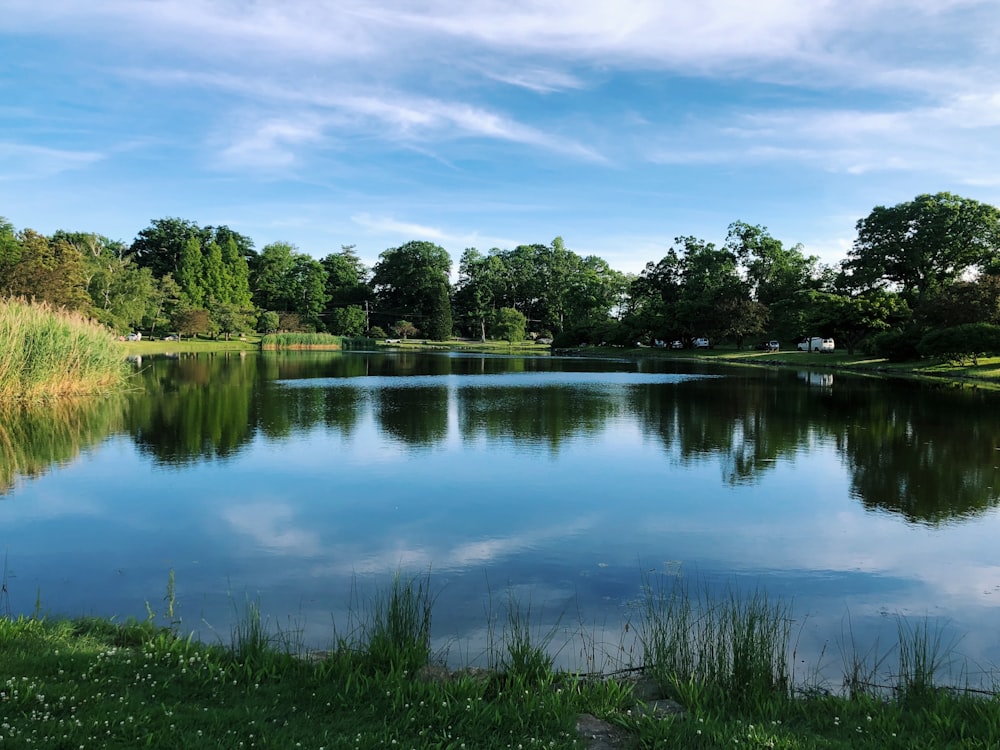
279 341
46 353
700 650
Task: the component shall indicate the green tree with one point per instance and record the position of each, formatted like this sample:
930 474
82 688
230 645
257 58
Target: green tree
236 273
270 276
439 320
164 300
510 325
347 321
190 272
772 271
408 280
191 321
405 329
229 318
214 274
346 279
160 246
47 270
268 321
923 245
306 286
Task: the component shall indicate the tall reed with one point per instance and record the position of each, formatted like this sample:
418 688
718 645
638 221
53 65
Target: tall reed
279 341
47 353
730 650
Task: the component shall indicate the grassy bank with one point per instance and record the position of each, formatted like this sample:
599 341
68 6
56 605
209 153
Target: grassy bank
93 683
47 353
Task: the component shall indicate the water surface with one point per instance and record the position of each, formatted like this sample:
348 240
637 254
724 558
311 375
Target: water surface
296 478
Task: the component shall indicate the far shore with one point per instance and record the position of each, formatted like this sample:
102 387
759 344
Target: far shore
986 373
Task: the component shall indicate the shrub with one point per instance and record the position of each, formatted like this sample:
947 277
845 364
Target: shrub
896 346
961 343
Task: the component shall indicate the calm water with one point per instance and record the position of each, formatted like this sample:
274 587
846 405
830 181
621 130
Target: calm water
293 479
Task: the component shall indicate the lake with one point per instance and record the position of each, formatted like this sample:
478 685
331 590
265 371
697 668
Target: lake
305 480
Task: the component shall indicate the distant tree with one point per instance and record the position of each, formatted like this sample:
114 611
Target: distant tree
214 275
46 270
773 272
439 321
923 245
229 318
160 245
268 321
191 321
510 325
969 342
236 273
347 321
270 275
963 302
190 273
405 329
290 321
407 280
306 288
375 332
346 279
742 318
164 300
475 292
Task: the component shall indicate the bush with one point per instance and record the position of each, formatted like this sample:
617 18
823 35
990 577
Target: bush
961 343
896 346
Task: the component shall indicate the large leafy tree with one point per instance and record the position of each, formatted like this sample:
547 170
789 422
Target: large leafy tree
306 288
288 281
269 276
711 284
217 272
923 245
772 271
482 281
346 279
408 281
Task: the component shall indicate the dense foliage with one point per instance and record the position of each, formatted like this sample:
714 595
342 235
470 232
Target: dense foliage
920 266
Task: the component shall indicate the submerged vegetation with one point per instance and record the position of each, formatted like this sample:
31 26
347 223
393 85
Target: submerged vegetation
95 683
46 352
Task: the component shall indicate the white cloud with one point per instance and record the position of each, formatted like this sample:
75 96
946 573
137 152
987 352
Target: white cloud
411 230
274 526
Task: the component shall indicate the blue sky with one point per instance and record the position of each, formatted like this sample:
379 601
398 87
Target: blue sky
479 123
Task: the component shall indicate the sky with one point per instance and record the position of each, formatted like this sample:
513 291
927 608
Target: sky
618 126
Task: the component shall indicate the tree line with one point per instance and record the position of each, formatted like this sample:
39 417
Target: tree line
915 269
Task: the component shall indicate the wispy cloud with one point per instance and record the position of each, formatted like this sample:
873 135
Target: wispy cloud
413 230
25 161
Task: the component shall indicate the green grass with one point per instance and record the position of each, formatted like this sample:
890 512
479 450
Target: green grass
47 353
94 683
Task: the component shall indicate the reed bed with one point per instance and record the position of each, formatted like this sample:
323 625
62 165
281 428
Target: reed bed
49 353
285 341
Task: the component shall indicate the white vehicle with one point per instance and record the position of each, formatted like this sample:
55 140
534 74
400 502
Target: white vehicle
700 343
816 344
